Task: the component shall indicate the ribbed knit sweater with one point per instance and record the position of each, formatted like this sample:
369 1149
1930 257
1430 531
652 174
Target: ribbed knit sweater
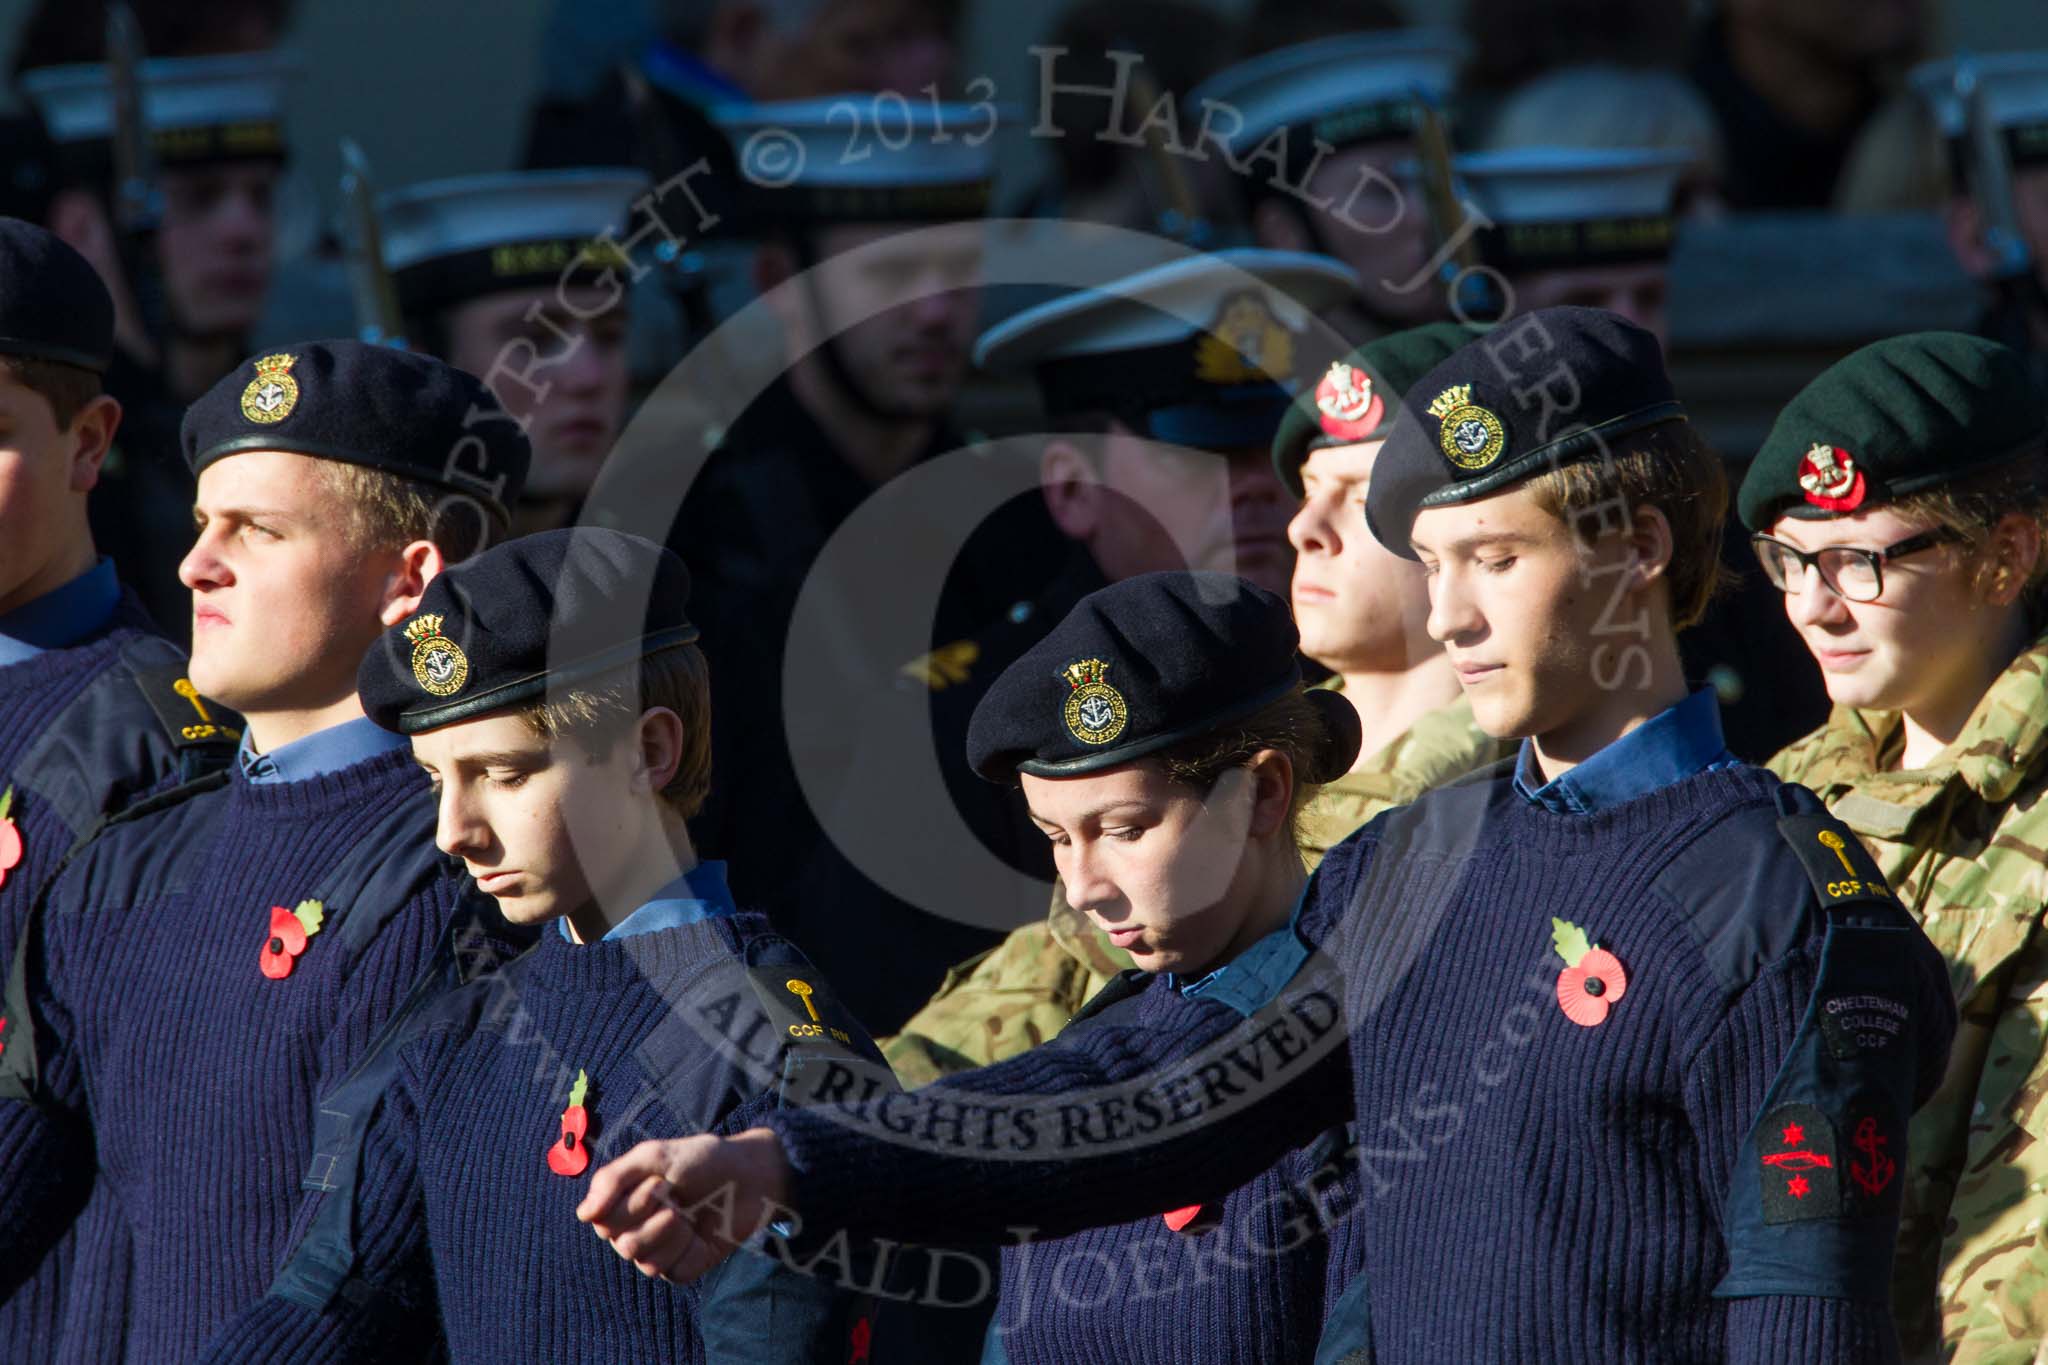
77 740
1248 1282
169 1055
459 1218
1534 1189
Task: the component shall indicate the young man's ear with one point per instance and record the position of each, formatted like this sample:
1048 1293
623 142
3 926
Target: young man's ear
1649 536
1965 228
1273 779
659 739
419 564
2014 551
1072 488
93 432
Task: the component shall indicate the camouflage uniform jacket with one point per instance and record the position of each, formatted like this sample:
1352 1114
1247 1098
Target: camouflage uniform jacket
1964 842
1025 989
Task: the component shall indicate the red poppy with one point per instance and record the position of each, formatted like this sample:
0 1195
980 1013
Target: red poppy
571 1153
1180 1218
289 930
1589 989
10 837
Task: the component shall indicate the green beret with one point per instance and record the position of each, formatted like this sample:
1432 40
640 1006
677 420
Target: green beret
1358 396
1898 417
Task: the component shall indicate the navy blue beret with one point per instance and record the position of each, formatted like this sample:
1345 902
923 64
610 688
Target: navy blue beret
53 305
1554 387
398 411
540 611
1141 665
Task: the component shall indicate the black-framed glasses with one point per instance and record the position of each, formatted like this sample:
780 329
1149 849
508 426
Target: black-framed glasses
1851 572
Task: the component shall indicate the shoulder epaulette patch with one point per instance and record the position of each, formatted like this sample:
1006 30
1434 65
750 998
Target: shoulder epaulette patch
1840 868
190 719
805 1014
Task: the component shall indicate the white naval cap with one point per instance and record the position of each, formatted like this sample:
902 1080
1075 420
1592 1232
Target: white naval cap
1563 206
449 240
195 108
863 158
2015 88
1341 91
1203 351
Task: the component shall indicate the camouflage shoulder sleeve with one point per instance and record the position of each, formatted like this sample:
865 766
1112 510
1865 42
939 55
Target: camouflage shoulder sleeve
1797 760
1007 1001
2008 1324
1443 745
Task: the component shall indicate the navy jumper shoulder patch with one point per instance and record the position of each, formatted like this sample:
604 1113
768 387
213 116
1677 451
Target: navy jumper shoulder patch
1842 871
190 719
805 1014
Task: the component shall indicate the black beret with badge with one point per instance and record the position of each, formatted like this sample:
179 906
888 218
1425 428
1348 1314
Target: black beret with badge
1898 417
537 612
1357 397
1550 388
398 411
53 305
1142 665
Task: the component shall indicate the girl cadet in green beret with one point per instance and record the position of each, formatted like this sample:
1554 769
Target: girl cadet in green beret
1899 503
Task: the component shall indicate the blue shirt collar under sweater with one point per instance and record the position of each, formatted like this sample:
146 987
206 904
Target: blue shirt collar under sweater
61 616
1256 974
1674 744
698 894
322 752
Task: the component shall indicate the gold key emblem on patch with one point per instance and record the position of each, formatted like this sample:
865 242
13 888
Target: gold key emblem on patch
1834 842
802 991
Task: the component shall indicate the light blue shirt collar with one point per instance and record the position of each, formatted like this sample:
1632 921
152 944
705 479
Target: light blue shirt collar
61 616
1672 745
322 752
1254 976
698 894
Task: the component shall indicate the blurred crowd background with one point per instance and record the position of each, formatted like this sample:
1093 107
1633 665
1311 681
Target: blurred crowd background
1766 184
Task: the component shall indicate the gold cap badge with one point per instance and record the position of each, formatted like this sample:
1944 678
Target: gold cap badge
1095 712
1245 345
438 663
273 393
1471 436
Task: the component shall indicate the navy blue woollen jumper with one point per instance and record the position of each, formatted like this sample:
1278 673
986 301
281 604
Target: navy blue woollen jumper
1249 1282
1534 1190
166 1051
459 1221
75 733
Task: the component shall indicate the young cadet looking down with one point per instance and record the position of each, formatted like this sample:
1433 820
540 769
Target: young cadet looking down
1217 750
1899 503
565 759
1645 1079
199 978
1360 611
94 705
